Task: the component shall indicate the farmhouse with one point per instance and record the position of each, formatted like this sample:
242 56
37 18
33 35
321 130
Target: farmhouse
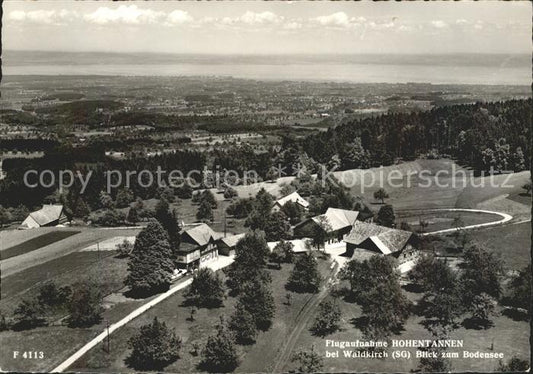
335 222
368 239
48 215
226 245
198 246
293 197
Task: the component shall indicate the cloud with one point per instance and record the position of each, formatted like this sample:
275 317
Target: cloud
339 19
126 14
247 19
45 17
253 18
381 25
439 24
179 17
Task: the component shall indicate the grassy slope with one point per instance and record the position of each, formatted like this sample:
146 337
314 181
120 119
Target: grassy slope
254 358
511 242
509 337
35 243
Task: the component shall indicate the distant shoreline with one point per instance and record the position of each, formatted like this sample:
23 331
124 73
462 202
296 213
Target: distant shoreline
437 85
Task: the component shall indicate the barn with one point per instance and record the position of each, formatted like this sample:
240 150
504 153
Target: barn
48 215
336 222
294 198
368 239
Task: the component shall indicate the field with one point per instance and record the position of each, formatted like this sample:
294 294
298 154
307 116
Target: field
255 358
508 336
443 220
511 242
56 250
36 243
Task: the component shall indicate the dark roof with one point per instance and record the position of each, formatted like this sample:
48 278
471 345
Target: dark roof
388 240
202 234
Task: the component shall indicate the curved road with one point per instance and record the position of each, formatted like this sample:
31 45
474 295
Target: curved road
505 218
306 314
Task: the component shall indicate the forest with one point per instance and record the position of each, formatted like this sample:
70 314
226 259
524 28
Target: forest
482 136
479 135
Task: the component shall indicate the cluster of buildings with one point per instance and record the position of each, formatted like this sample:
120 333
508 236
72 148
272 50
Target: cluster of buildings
355 230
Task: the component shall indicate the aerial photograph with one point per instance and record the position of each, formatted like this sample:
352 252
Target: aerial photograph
265 186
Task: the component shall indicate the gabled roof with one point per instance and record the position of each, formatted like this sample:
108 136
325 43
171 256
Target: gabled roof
337 218
202 234
386 239
231 241
295 198
47 214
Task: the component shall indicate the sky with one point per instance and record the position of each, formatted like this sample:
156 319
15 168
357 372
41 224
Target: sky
256 27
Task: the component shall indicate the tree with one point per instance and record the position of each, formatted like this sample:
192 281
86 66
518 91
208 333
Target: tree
482 272
133 216
185 191
167 194
50 295
434 362
124 198
150 266
520 289
206 290
205 211
305 276
293 211
220 353
385 307
154 346
243 325
519 162
356 273
170 222
207 195
482 308
354 156
514 365
308 361
277 227
256 297
386 216
29 314
320 232
110 218
282 252
381 194
230 193
106 201
5 216
251 258
19 213
125 248
434 276
328 318
375 283
85 304
527 187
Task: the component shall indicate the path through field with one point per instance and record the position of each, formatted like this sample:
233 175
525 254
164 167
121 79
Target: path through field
305 315
216 265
